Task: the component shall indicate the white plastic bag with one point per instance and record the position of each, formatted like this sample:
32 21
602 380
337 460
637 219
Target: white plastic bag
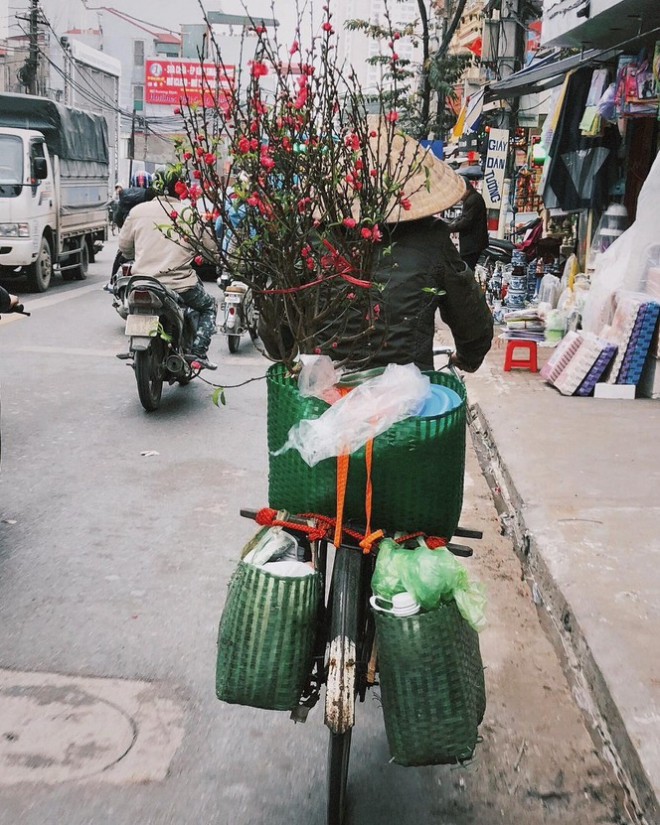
365 412
318 377
271 544
623 264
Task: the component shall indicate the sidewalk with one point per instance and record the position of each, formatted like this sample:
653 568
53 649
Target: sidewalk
578 484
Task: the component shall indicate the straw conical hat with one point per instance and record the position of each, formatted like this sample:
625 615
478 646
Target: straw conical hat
428 183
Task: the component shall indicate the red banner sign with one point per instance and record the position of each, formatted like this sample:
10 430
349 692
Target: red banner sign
172 82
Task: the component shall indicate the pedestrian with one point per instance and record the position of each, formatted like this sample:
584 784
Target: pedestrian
472 224
144 240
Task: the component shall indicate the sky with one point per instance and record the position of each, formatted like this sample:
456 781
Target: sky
168 14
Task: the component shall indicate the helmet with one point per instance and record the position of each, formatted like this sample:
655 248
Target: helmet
142 179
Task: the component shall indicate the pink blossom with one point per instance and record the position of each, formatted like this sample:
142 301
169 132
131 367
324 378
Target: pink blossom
392 117
365 232
349 222
327 27
294 47
177 110
258 68
174 214
198 260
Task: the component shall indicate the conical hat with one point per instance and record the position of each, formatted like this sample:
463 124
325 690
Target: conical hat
429 184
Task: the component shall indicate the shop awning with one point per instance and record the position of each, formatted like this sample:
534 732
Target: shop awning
544 73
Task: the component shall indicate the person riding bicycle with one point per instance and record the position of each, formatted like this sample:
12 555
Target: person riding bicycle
420 270
170 260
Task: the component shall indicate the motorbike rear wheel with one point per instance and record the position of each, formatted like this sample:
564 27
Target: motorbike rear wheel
233 342
148 374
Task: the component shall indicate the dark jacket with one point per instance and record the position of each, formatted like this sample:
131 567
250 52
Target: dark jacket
472 225
423 262
5 300
128 198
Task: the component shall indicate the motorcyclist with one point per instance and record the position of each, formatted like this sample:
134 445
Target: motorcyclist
140 190
170 260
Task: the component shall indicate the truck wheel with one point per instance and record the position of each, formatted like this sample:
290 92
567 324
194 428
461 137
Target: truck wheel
40 272
83 268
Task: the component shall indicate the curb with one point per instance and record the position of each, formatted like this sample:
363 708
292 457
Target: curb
585 678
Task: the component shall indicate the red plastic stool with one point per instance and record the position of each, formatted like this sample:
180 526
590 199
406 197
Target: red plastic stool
511 360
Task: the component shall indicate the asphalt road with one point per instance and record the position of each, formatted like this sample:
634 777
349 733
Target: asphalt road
119 531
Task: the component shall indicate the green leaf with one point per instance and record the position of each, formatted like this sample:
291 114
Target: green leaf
219 396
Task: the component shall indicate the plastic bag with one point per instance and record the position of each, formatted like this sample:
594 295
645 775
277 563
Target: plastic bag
433 576
365 412
318 377
623 264
387 579
270 544
471 604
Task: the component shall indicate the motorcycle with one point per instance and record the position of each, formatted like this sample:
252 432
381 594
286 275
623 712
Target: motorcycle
238 312
161 330
118 284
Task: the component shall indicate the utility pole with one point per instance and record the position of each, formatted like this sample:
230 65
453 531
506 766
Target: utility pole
27 74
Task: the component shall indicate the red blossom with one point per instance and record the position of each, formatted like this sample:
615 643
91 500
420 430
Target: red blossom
196 174
187 155
373 172
392 117
405 204
243 145
209 158
174 214
258 68
199 260
349 222
177 110
327 27
365 232
373 134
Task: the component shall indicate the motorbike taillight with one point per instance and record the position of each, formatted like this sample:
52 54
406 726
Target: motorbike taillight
144 298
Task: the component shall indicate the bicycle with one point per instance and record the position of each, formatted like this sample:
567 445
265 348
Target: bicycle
345 656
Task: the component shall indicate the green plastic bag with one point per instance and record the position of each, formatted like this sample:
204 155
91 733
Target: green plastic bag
433 576
391 562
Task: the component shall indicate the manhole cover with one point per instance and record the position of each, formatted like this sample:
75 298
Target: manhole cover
51 733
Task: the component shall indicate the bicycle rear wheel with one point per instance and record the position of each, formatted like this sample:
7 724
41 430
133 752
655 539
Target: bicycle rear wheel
345 602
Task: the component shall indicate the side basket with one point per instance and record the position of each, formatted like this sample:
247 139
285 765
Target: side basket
432 685
266 638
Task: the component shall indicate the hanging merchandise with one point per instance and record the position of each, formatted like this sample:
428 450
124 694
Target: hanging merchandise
580 170
636 94
590 125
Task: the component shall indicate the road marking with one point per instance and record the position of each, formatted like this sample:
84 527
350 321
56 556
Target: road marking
92 353
57 728
49 301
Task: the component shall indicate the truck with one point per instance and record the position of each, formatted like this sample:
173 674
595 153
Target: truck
54 189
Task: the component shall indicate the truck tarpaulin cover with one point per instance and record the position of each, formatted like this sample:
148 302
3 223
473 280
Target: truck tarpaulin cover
70 133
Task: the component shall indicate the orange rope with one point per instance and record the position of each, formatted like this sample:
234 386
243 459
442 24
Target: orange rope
342 478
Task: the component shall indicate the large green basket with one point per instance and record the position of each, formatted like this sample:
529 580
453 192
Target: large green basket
417 471
266 638
432 685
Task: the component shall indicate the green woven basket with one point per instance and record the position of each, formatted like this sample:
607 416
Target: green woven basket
417 471
266 638
432 685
